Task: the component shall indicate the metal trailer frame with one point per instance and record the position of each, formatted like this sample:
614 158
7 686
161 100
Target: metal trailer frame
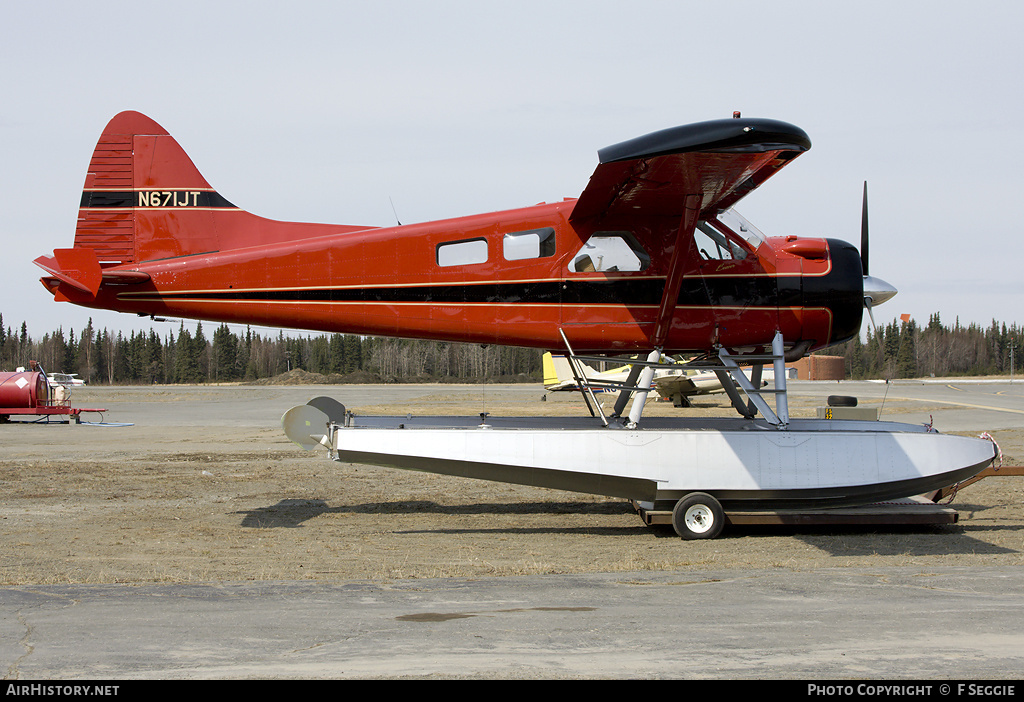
73 414
920 510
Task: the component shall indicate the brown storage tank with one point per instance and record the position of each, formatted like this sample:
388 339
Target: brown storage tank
821 368
23 389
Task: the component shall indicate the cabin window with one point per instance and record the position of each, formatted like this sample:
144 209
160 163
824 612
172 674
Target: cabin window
609 252
535 243
462 253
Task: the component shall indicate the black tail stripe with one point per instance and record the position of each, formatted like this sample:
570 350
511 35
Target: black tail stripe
178 197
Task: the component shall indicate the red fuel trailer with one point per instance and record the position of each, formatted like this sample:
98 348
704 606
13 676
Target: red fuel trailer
28 393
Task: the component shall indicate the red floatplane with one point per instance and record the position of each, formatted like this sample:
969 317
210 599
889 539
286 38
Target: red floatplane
650 259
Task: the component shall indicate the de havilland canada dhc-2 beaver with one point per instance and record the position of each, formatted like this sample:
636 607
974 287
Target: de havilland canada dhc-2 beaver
650 259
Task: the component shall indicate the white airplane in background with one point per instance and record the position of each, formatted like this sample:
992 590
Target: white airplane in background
68 380
681 385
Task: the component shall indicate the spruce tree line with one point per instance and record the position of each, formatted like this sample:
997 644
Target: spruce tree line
895 350
183 356
902 349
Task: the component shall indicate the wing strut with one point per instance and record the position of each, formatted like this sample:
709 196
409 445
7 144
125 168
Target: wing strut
751 386
641 377
684 235
669 298
582 380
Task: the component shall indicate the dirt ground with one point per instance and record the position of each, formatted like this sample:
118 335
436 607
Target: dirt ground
204 486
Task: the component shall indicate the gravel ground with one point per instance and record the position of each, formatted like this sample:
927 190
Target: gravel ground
203 486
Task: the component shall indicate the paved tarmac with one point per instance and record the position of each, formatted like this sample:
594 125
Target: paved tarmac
965 404
825 624
892 623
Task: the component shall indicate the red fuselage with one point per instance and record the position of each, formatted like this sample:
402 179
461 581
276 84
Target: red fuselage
388 282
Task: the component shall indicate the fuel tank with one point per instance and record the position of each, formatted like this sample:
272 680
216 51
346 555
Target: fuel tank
23 389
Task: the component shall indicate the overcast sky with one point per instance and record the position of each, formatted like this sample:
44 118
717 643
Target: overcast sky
331 111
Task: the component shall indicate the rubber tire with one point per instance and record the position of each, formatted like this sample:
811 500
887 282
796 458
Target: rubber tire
698 516
842 401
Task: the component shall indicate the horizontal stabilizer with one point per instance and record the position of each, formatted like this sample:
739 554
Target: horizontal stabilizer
78 267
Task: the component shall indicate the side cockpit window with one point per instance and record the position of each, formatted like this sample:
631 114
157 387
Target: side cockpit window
728 237
715 245
608 252
534 243
462 253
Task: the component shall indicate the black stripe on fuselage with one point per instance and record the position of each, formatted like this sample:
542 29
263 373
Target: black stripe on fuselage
154 198
760 291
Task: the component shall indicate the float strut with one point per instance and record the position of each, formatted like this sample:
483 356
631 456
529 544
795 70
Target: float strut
643 388
779 365
631 382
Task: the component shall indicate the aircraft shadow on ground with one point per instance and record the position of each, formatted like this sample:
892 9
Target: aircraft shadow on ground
292 513
901 541
839 541
964 537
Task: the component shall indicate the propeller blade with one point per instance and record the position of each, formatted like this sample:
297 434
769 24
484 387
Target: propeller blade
864 231
871 316
876 291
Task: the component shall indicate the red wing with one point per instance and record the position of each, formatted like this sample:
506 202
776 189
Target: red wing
721 161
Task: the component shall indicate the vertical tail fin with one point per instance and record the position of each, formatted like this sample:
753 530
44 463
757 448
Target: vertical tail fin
143 196
144 200
558 373
548 365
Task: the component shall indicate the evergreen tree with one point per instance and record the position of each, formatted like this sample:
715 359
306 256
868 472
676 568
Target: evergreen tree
99 357
154 360
356 352
320 355
906 360
85 353
855 358
225 350
202 352
70 361
186 362
251 366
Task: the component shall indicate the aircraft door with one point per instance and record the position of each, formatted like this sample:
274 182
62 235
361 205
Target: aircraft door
737 294
605 282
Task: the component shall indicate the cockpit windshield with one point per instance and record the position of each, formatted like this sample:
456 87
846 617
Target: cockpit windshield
741 227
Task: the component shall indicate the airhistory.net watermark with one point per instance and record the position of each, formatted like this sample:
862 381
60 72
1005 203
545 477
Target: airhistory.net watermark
50 690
